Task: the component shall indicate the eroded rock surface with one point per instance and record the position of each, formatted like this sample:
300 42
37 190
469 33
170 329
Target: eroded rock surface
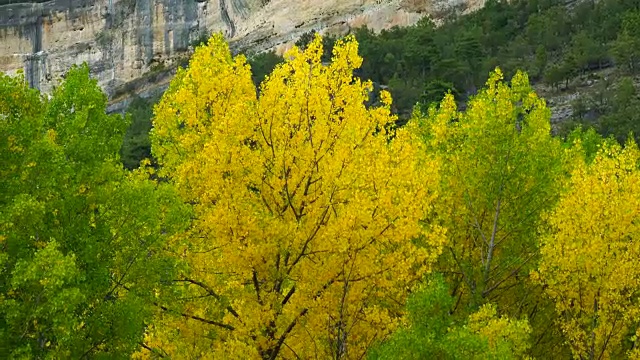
122 40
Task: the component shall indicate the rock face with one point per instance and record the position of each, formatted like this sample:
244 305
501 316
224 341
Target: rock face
122 40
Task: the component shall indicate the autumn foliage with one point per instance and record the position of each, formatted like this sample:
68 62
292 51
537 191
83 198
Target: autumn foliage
590 256
297 220
309 205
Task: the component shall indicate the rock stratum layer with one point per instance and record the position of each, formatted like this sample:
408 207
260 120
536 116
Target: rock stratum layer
122 40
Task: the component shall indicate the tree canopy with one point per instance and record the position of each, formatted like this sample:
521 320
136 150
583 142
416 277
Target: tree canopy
301 218
81 240
309 206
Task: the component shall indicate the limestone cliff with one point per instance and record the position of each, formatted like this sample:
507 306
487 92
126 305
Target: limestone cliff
122 40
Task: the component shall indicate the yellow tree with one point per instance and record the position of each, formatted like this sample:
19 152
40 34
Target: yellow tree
308 203
589 262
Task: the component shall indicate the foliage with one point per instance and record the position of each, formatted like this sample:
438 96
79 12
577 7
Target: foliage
308 208
553 42
622 118
433 333
586 53
501 170
327 43
616 106
293 215
434 92
626 48
589 256
588 142
201 39
262 64
81 241
136 145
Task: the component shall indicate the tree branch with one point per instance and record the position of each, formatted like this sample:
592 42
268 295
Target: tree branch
256 285
288 296
193 317
152 350
210 292
274 352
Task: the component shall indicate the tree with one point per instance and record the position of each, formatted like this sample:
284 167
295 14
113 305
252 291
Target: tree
434 92
586 51
541 60
558 73
568 69
405 96
454 71
623 118
81 240
434 333
370 46
307 38
553 76
468 50
548 28
308 207
579 108
136 145
263 64
601 98
501 171
626 48
420 49
589 256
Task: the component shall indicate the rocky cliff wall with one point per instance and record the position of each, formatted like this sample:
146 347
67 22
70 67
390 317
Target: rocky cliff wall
122 40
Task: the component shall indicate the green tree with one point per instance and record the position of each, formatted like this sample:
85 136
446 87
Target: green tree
548 28
421 50
558 73
626 48
308 37
434 92
579 108
541 61
623 118
81 240
469 52
586 51
263 64
553 76
501 170
433 332
136 145
305 39
600 99
405 95
589 142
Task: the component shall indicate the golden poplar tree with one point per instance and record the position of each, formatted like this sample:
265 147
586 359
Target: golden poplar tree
309 204
589 262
